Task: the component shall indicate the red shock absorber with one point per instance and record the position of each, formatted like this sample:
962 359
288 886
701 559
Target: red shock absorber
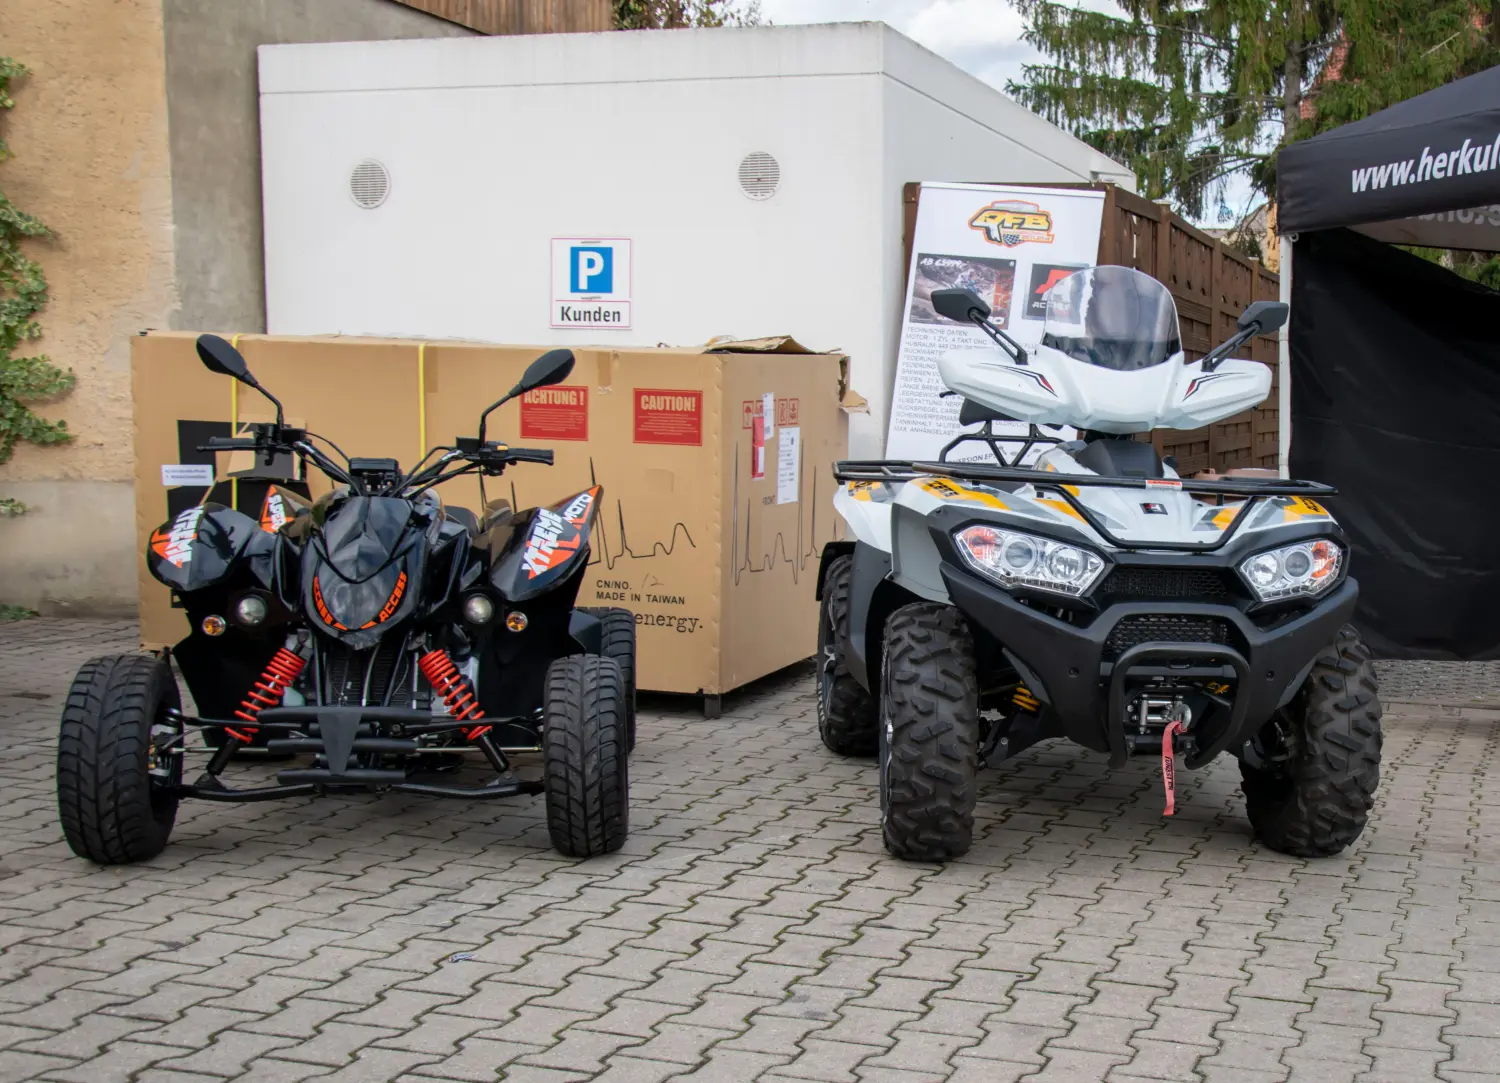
437 666
283 668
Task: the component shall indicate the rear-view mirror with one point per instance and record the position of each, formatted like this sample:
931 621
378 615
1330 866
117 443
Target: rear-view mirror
959 305
1263 317
219 356
551 368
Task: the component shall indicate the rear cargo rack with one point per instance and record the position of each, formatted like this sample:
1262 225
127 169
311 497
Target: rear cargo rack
847 470
1251 490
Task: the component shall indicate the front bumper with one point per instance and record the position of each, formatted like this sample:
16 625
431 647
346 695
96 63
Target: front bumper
339 738
1086 687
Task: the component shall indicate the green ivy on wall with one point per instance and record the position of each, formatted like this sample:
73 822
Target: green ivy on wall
23 292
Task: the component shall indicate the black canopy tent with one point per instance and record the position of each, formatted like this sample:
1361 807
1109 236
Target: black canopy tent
1390 366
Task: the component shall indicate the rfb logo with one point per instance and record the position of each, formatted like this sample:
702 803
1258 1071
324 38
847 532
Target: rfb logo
591 269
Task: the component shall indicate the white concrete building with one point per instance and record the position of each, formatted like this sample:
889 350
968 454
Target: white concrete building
416 188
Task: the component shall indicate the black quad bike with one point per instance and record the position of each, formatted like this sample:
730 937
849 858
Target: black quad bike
374 638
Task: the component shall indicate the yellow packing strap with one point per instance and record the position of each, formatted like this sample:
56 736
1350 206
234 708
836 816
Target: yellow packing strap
421 399
234 428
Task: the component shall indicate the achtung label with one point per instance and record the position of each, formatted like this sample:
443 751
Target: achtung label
555 413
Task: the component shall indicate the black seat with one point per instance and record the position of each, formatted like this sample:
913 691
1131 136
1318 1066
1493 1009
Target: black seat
1120 458
465 518
972 413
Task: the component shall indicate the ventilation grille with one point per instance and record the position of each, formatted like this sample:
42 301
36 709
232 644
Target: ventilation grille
1165 628
760 175
1129 583
369 184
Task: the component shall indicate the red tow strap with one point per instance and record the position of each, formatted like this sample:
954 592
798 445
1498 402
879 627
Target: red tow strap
1169 766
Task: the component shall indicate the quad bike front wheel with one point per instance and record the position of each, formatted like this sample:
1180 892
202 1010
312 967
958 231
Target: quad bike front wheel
929 733
585 762
1317 763
848 720
619 643
113 789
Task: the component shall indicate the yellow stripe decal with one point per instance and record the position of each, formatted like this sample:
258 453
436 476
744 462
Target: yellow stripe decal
1062 506
948 490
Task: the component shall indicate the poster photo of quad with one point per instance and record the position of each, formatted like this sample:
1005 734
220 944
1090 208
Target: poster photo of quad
993 280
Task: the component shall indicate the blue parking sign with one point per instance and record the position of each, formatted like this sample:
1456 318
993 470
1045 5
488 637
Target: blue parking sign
591 269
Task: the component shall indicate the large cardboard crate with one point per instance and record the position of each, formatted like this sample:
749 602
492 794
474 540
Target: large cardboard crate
715 552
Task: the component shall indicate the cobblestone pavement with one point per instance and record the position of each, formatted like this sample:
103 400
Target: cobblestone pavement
1458 684
753 928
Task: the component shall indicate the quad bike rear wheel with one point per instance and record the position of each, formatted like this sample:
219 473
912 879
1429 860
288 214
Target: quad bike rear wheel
929 733
848 720
619 644
585 762
112 786
1317 763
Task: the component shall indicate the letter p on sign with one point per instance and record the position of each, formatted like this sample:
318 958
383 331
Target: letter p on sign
592 270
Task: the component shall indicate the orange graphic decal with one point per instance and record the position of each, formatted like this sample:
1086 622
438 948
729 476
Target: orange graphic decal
392 604
552 541
273 514
326 616
174 544
577 512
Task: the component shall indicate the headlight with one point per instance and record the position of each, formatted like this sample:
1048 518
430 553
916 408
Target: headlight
1015 559
251 610
1305 568
478 609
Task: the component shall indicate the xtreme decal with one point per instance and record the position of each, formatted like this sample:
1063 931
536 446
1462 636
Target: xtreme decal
552 541
577 511
175 544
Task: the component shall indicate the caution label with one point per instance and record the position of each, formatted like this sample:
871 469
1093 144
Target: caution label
668 417
555 413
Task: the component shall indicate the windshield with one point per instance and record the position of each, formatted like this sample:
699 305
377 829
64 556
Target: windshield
1113 317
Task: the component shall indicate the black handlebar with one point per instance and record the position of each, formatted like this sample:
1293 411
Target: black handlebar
487 458
529 455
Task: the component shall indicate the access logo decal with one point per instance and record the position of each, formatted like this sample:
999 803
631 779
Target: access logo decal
1043 277
274 514
1012 222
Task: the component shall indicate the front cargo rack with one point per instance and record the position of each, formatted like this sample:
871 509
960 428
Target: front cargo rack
1251 490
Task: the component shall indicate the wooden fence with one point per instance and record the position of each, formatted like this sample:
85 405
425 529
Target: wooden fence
522 16
1211 284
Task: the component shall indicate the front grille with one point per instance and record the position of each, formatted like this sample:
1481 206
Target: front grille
1127 583
1164 628
387 666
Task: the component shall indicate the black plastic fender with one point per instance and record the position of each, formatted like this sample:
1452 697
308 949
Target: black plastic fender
205 545
549 544
831 552
587 631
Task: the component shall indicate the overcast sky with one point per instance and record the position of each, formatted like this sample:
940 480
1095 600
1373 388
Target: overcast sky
981 36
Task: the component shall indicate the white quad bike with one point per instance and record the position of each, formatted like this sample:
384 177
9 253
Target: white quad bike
1095 595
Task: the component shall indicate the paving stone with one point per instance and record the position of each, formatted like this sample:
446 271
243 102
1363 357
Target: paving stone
753 927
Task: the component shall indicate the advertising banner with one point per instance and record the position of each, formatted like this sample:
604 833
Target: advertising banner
1008 244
